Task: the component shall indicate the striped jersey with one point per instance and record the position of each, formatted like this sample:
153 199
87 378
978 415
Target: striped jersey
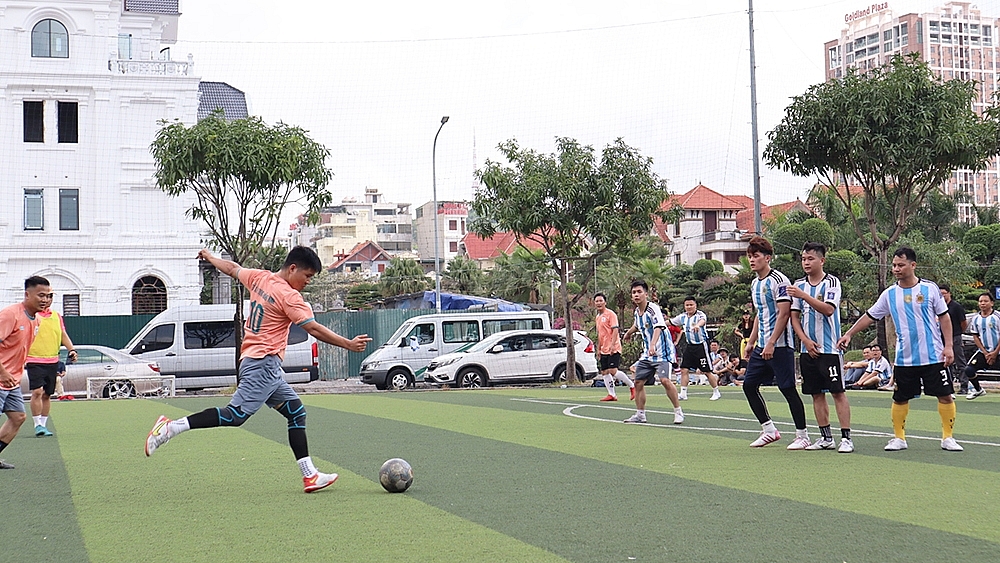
647 321
881 366
766 294
914 311
695 334
988 329
821 329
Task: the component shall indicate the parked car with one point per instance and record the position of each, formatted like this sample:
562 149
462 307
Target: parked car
403 359
514 356
197 345
101 361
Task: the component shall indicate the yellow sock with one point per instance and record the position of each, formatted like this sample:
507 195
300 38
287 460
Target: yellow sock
899 413
947 412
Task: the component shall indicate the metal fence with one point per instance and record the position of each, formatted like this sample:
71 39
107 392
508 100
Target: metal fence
113 331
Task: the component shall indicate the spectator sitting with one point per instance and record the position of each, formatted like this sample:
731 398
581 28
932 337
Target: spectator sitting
732 372
879 371
854 370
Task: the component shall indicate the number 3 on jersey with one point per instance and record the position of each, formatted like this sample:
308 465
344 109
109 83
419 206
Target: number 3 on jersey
256 317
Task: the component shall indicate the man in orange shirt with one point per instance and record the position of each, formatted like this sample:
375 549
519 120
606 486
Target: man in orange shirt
609 348
18 325
275 303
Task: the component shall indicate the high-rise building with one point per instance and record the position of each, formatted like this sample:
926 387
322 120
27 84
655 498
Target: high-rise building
956 40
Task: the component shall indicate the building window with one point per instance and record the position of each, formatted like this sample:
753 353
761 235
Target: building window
69 210
34 122
125 46
68 113
453 246
71 305
731 257
677 259
49 40
453 225
33 212
149 296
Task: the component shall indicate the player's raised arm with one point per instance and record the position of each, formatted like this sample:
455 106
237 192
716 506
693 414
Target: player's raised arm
323 334
227 267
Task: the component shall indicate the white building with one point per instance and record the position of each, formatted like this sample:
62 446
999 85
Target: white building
83 84
451 219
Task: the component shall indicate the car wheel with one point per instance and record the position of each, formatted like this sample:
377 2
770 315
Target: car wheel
559 376
471 378
119 389
399 379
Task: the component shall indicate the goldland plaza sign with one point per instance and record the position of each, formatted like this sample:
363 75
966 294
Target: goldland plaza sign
873 9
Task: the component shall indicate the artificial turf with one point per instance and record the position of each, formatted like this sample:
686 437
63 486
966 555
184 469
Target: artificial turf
503 475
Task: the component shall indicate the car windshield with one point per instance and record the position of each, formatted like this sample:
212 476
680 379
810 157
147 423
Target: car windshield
483 345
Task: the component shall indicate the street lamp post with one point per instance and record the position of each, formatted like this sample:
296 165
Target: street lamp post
437 246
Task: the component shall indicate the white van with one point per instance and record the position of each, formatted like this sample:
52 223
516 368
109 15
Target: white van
403 360
197 345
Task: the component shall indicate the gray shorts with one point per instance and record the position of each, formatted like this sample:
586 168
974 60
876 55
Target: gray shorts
261 382
649 372
11 401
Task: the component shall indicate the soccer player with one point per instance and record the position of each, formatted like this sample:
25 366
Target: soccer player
923 349
774 357
657 356
696 355
609 348
43 363
18 326
275 304
985 328
816 321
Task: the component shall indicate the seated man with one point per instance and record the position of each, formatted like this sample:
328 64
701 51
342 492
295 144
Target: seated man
854 370
878 373
731 373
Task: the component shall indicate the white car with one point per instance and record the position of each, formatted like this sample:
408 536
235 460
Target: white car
513 356
104 362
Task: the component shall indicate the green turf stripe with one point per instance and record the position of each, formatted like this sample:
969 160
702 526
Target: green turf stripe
588 510
40 523
227 494
862 483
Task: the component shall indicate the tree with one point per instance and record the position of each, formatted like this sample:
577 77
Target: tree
243 173
896 131
522 277
360 295
575 207
464 276
402 276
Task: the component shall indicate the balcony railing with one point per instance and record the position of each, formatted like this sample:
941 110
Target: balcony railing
151 68
720 235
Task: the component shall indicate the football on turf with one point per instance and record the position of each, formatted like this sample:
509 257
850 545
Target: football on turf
396 475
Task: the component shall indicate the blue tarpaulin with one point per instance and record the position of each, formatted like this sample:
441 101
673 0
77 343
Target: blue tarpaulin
456 302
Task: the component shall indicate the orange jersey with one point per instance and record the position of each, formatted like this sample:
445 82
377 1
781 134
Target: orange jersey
274 306
17 331
608 339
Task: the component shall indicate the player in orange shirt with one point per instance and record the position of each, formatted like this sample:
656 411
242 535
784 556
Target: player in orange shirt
18 326
275 303
609 348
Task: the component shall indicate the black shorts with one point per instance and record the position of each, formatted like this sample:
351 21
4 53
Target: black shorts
696 357
42 376
610 361
821 375
934 379
978 362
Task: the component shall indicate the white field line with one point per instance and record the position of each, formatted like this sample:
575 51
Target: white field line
571 407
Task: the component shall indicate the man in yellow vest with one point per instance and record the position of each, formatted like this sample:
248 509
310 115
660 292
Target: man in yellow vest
43 363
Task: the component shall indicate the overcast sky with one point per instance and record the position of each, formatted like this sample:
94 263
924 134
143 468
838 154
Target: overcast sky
371 80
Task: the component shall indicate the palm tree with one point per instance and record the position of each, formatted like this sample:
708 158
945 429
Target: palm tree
402 276
464 276
521 276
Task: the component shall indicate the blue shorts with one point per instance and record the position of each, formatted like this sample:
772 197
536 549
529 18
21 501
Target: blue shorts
11 401
781 367
261 382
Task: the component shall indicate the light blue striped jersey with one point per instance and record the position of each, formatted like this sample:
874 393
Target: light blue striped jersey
647 321
914 311
820 328
881 366
988 329
766 294
694 334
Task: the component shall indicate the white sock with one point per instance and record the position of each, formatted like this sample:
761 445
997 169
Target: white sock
769 427
804 433
37 420
678 411
307 467
44 420
621 376
175 427
641 413
609 384
684 389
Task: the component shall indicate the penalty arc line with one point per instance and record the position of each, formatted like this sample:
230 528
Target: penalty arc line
571 407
